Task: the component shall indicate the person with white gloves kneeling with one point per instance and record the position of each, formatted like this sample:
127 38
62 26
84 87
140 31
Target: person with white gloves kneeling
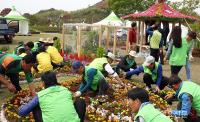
93 79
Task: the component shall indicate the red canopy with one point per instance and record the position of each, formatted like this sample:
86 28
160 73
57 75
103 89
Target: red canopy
160 10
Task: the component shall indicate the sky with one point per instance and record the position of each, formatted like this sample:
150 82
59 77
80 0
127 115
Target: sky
34 6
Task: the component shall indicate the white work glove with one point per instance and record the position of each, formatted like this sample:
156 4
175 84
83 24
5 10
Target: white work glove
77 94
131 69
190 57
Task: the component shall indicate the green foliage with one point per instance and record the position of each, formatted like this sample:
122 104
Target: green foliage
44 28
100 52
196 27
90 45
4 49
124 7
89 15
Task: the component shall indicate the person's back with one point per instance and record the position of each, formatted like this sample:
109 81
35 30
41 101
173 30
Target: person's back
150 114
155 39
44 62
178 55
98 63
194 90
56 105
56 58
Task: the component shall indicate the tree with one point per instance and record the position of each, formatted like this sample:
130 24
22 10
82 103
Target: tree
124 7
186 6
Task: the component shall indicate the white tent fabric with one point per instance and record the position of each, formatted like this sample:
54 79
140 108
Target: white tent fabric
112 19
14 15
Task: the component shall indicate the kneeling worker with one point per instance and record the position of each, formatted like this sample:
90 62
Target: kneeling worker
153 74
188 94
138 100
93 79
55 102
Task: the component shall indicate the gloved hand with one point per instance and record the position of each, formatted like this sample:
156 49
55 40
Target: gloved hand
77 94
190 57
131 69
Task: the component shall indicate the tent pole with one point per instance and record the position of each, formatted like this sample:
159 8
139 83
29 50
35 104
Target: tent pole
63 37
115 39
127 42
78 41
107 38
138 33
142 35
100 35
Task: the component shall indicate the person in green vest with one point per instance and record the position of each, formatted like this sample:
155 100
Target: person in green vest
55 103
127 63
11 65
103 65
57 43
93 79
177 51
138 100
155 42
153 74
191 36
188 94
20 45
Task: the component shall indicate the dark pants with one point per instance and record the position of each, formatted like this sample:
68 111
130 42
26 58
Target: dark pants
161 56
14 77
175 70
155 53
117 70
57 65
79 105
102 87
148 81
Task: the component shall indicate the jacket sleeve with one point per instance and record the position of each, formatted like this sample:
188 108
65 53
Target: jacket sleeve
26 109
136 71
159 77
122 64
185 106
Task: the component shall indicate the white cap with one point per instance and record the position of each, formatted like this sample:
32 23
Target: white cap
50 40
111 55
149 60
133 53
41 39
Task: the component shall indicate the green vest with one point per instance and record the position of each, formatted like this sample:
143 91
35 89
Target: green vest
96 78
130 62
194 90
150 114
98 63
179 55
35 48
155 39
153 73
56 105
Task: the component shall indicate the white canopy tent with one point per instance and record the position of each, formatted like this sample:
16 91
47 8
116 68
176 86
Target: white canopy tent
14 15
112 20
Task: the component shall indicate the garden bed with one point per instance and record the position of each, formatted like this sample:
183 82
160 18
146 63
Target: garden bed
111 107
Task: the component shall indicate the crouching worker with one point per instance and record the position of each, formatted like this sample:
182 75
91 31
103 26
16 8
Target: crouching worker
153 74
188 94
138 100
127 63
11 65
55 103
93 79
